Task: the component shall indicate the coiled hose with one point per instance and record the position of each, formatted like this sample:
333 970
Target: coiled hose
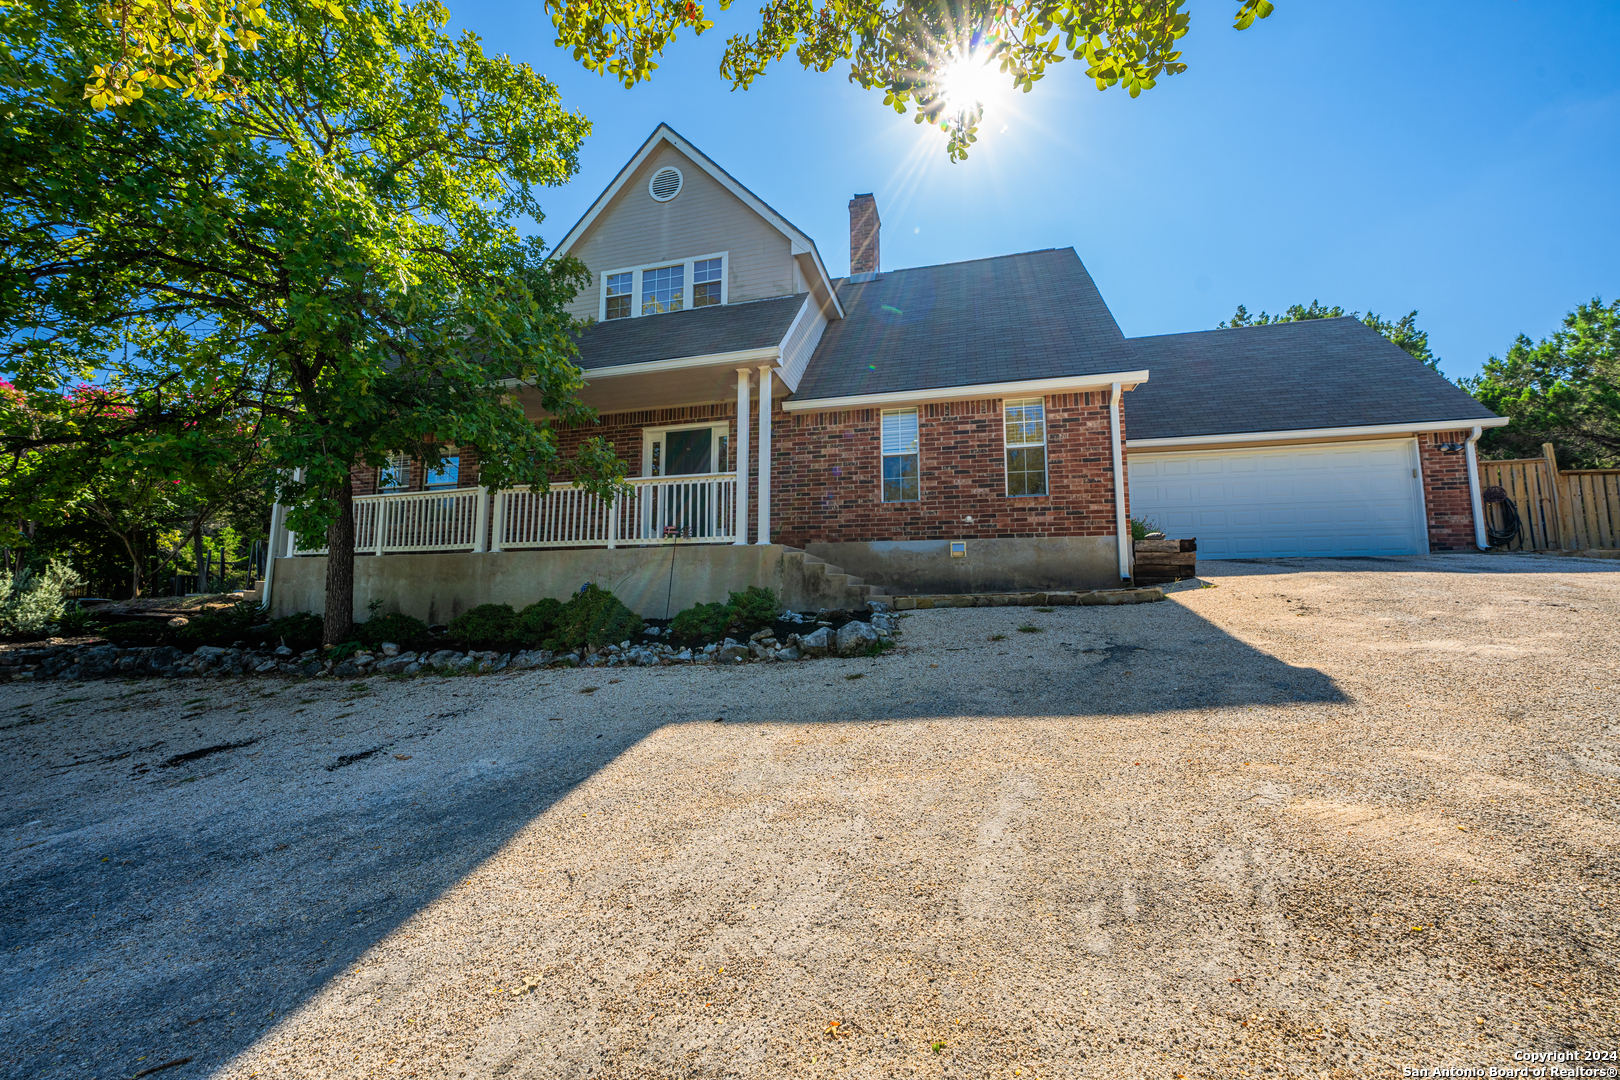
1510 517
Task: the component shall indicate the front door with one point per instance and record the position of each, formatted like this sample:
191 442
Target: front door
689 452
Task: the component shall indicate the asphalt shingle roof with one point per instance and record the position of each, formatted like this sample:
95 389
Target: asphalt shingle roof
1037 315
725 328
1317 373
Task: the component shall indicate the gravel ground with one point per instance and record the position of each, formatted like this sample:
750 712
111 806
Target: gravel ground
1326 818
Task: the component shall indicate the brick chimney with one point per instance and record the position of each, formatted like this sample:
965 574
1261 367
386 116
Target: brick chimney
863 235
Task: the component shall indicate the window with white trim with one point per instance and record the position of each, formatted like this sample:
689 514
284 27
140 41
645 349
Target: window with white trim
447 475
395 474
1025 424
663 289
900 455
706 274
619 295
657 288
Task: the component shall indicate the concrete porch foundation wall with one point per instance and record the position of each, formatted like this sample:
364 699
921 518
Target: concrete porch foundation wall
1009 565
438 587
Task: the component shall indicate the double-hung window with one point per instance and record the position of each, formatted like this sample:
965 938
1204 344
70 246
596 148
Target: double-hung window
446 475
706 282
900 455
619 298
395 475
663 289
1026 446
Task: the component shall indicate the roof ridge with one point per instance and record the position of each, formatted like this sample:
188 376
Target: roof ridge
1256 326
959 262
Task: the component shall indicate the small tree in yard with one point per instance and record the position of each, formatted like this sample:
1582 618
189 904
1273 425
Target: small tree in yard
331 245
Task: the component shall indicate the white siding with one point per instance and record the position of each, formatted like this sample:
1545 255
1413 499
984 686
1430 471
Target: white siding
635 230
802 340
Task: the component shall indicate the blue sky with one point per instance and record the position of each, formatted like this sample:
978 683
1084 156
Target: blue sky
1461 158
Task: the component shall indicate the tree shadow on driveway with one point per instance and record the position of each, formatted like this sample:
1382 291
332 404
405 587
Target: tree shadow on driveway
149 917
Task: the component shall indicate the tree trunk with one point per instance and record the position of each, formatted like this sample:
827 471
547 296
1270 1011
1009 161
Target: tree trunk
338 625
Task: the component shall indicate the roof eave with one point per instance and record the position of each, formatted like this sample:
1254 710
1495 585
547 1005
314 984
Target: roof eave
1412 427
1128 380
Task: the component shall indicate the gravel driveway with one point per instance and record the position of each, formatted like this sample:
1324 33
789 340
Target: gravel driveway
1328 817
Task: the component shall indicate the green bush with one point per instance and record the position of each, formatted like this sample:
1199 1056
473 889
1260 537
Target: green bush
403 630
1140 527
701 622
752 609
30 602
537 622
594 617
298 632
485 626
223 627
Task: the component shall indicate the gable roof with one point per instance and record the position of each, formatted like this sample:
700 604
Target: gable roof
709 331
1014 318
1295 376
800 242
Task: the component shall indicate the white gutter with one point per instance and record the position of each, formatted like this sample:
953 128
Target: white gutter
1481 541
1122 524
1031 387
681 363
1296 434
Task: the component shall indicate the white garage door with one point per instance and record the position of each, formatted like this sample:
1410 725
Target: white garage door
1334 499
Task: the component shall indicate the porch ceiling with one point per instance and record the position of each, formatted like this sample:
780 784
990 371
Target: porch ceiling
698 380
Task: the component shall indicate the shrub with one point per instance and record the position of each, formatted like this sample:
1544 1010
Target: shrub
485 626
1140 527
298 632
76 618
31 602
752 609
701 622
594 617
134 633
537 622
225 626
403 630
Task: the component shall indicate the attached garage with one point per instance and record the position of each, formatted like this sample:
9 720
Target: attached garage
1362 498
1310 438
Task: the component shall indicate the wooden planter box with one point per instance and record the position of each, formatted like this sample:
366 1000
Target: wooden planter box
1161 561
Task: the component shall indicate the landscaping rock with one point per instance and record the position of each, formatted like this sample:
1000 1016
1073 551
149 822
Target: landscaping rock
856 637
442 658
283 650
390 649
731 652
818 643
396 665
266 667
210 653
348 667
789 653
530 658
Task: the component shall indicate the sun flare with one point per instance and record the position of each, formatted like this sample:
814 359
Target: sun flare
971 80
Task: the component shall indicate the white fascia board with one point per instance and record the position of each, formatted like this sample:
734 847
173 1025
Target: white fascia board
1300 434
681 363
664 133
1066 384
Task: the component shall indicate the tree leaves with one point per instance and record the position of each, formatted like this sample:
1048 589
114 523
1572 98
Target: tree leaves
1403 332
902 47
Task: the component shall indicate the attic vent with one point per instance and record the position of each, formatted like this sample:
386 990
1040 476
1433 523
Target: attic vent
665 184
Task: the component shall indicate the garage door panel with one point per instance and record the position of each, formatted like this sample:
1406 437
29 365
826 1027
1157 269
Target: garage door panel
1354 499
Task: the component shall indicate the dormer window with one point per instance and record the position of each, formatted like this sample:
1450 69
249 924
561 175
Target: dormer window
619 289
663 289
659 288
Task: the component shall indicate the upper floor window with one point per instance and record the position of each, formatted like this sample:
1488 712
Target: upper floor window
619 289
446 475
658 288
706 282
396 474
900 455
663 289
1026 446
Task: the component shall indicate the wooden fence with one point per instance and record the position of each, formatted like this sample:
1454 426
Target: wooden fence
1559 509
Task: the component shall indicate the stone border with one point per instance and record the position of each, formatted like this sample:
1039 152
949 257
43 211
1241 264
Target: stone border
1032 599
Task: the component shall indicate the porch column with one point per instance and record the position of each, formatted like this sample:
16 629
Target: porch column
764 454
742 455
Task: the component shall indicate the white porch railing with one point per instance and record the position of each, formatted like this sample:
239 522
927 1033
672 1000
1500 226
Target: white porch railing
451 520
660 510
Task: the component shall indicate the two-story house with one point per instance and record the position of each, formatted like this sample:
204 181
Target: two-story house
949 428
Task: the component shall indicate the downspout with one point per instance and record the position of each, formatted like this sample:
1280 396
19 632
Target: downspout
278 514
1481 541
1122 524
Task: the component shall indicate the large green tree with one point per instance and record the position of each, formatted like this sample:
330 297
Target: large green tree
933 57
1563 389
333 244
1403 331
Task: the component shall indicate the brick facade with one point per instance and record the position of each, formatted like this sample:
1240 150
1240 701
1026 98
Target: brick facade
826 475
1445 492
365 476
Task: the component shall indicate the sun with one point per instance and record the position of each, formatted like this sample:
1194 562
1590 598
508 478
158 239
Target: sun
966 81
